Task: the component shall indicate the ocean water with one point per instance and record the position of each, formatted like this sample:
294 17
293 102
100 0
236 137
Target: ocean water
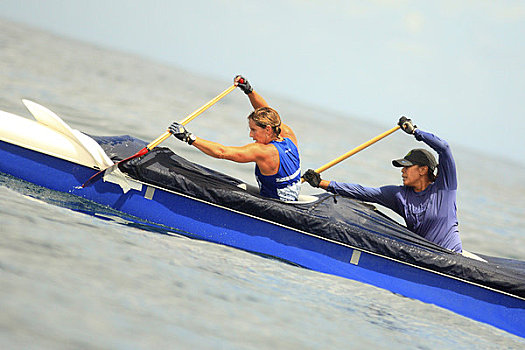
71 279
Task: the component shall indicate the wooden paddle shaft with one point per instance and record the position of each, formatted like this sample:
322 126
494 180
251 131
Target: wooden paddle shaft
161 138
355 150
192 116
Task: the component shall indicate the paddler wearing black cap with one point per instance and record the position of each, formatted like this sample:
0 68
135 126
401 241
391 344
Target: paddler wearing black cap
426 200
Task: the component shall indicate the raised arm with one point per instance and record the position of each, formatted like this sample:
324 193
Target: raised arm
447 166
258 101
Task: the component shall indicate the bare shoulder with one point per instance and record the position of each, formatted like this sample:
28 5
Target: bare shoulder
254 151
286 131
265 149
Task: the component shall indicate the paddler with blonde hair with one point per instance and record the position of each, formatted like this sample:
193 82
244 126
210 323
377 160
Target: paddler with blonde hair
274 152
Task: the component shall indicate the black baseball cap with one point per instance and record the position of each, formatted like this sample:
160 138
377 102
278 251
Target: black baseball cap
417 156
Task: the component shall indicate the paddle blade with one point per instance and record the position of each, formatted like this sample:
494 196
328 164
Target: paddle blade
112 168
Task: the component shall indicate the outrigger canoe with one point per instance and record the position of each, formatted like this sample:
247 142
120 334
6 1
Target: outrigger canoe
326 232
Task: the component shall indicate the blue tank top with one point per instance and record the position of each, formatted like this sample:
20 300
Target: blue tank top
286 183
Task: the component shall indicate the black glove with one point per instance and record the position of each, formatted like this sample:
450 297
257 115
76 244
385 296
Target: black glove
313 178
179 131
243 84
406 125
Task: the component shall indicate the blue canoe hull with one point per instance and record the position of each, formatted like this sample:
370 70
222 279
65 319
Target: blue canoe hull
206 221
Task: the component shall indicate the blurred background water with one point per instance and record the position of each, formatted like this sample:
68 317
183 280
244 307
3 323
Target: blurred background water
71 280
